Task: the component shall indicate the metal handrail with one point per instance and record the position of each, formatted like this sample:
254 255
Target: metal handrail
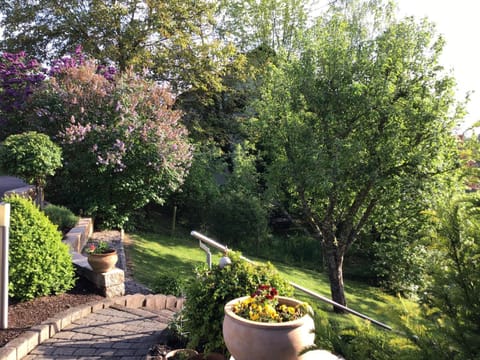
223 248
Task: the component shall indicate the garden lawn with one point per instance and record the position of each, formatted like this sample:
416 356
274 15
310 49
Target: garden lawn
156 256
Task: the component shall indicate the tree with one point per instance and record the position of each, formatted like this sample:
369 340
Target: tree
359 119
270 23
174 39
122 143
32 157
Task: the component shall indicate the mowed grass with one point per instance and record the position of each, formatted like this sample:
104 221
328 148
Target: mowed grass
154 256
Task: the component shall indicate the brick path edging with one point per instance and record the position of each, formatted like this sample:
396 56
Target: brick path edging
19 347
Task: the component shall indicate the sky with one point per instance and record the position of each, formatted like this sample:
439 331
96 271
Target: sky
459 23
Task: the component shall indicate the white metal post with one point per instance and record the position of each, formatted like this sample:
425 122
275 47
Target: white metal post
4 227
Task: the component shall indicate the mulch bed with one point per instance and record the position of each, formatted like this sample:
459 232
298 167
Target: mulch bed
23 315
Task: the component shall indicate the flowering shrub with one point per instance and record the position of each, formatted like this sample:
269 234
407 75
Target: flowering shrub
123 144
102 247
19 78
263 306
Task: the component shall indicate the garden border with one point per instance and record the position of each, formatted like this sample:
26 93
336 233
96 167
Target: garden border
19 347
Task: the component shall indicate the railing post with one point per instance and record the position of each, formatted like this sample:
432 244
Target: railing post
207 251
4 227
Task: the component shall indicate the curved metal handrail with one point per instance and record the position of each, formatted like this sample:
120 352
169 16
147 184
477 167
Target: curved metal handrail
204 239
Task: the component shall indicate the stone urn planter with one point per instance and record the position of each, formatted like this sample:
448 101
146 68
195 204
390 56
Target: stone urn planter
248 340
102 263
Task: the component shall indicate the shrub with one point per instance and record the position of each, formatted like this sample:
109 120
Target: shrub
61 216
239 219
452 294
31 156
362 341
123 144
212 289
40 264
168 284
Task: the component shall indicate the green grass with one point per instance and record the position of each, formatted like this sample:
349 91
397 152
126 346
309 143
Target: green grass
156 255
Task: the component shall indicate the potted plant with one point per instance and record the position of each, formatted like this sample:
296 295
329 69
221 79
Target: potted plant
262 318
101 256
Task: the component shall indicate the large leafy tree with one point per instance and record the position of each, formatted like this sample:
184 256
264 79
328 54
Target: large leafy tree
171 38
361 119
270 23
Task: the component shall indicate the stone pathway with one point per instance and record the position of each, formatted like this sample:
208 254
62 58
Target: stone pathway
116 332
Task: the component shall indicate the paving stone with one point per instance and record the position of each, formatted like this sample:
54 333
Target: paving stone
8 353
84 352
112 331
64 351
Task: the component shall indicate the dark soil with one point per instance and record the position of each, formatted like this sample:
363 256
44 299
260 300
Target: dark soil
22 316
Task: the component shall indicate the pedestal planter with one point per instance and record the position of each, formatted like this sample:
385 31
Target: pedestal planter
248 340
102 263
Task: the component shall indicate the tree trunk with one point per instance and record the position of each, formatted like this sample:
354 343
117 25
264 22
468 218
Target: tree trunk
334 259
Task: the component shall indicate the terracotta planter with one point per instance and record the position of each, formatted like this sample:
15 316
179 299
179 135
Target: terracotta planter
102 263
248 340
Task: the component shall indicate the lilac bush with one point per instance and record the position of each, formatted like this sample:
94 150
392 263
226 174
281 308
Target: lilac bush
123 144
20 77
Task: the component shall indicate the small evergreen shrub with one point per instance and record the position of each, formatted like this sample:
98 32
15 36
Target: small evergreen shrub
207 295
61 216
40 264
361 340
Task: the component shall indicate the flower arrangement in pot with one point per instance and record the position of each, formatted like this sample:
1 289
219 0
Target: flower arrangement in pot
263 318
101 256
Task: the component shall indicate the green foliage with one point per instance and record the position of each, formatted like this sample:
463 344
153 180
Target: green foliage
399 263
201 187
168 284
239 215
274 23
64 218
124 146
227 203
212 289
238 219
361 118
40 264
362 341
454 290
174 39
32 157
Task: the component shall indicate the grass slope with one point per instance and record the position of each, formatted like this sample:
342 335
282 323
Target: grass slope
155 256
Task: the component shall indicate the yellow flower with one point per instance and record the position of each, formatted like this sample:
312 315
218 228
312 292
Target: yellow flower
254 316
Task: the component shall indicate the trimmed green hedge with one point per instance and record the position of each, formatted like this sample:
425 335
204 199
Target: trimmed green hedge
40 264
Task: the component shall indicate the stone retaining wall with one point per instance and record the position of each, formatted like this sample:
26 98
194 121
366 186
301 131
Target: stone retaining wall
110 284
